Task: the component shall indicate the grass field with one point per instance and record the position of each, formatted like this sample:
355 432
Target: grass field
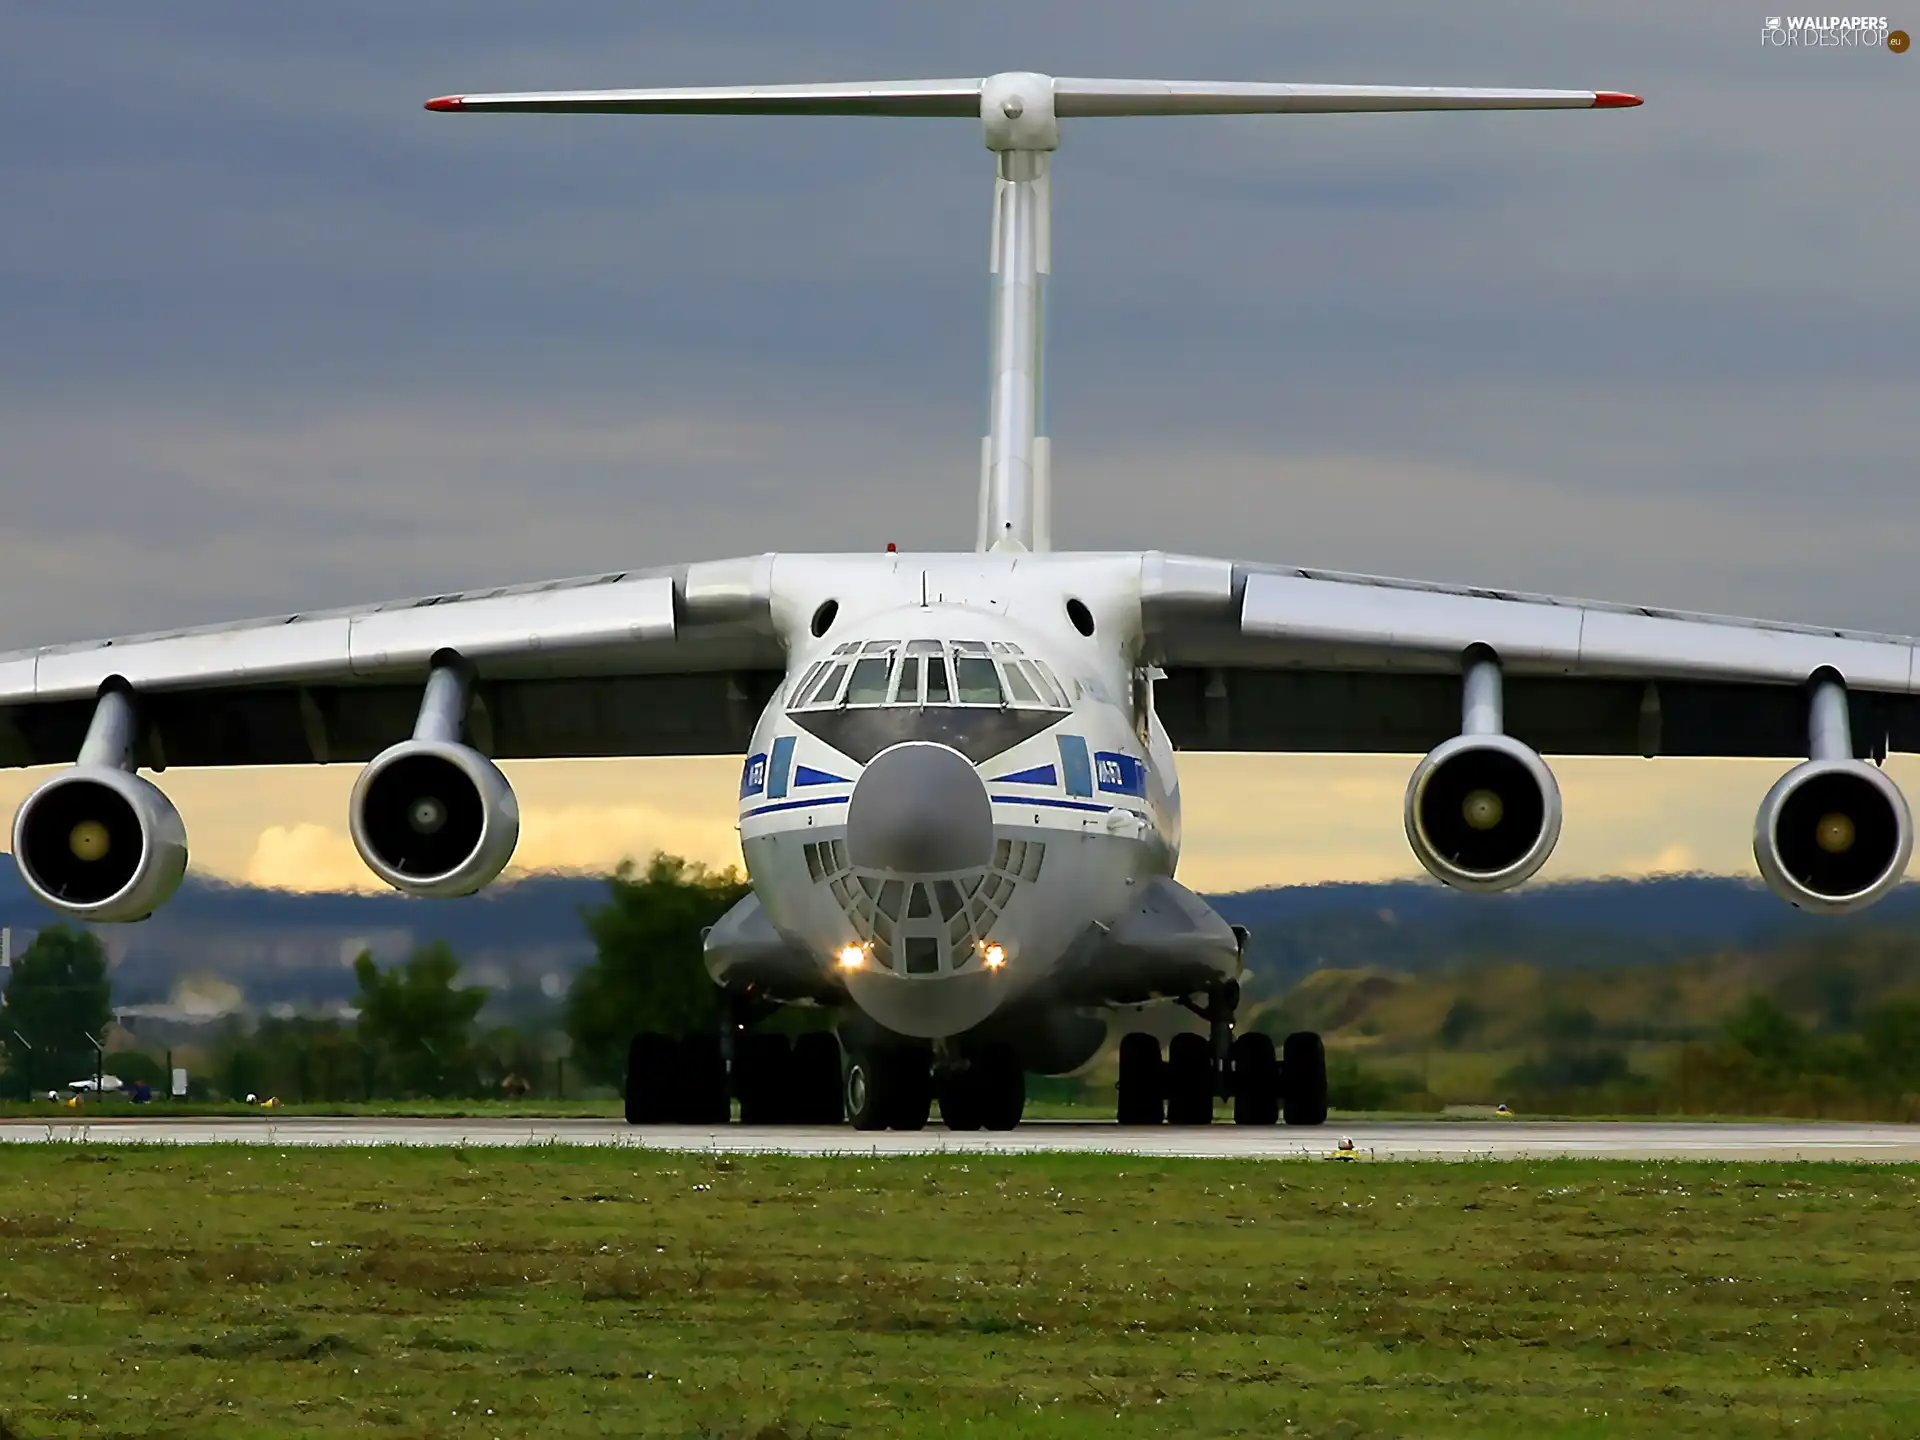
560 1292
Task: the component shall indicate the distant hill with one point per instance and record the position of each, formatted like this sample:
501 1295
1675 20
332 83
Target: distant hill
281 948
1420 925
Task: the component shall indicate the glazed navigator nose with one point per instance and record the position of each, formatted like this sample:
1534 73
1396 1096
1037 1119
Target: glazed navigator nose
919 809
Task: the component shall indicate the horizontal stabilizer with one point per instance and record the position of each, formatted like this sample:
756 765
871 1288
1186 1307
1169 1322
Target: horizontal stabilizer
1072 97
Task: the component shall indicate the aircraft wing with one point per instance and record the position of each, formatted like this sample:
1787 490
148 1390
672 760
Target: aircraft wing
663 662
1268 657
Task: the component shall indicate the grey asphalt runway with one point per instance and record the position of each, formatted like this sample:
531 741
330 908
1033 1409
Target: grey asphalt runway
1432 1140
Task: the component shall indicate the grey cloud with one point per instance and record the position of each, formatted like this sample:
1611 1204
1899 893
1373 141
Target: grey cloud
277 338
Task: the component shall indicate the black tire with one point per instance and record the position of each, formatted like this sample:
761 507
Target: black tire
960 1097
816 1078
910 1075
763 1079
889 1089
1189 1080
651 1061
1303 1079
866 1090
1143 1086
1256 1080
1002 1089
700 1094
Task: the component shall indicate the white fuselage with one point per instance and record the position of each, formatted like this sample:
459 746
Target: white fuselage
978 654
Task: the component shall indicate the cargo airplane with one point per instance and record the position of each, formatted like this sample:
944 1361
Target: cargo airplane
959 805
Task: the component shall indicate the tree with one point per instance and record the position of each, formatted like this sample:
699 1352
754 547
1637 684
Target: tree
1463 1021
1770 1036
418 1021
650 973
59 1001
1890 1036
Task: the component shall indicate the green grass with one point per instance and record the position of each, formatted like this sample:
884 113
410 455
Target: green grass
237 1292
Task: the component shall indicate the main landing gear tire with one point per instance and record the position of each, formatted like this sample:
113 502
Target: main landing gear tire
675 1082
762 1078
816 1079
1143 1084
1256 1080
782 1082
889 1089
1189 1080
989 1093
1303 1079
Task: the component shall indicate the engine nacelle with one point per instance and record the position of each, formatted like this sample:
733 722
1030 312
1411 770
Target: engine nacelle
1833 835
100 843
1483 812
431 817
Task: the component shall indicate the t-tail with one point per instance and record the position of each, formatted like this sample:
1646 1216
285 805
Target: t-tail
1019 114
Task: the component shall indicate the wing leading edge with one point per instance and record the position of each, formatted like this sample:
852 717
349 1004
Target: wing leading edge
664 662
1269 658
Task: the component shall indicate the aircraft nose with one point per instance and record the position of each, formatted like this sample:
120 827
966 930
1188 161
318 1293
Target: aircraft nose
917 809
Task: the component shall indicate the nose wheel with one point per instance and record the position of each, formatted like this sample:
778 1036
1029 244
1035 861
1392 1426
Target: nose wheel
986 1091
889 1089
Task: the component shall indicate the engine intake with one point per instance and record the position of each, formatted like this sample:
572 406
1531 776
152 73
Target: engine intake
1833 835
99 843
432 817
1483 812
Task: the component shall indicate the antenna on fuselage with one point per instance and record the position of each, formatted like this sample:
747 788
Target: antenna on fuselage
1020 113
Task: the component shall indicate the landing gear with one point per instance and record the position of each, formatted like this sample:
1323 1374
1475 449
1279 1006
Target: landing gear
1143 1083
1256 1080
889 1089
1303 1079
1190 1080
676 1082
777 1081
816 1079
1264 1087
762 1080
987 1090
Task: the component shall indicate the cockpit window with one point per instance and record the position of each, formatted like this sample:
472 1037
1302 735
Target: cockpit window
805 682
929 672
1024 691
829 690
869 683
1042 677
906 682
976 679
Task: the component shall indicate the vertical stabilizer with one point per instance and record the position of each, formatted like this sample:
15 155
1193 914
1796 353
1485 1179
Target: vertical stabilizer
1019 115
1016 113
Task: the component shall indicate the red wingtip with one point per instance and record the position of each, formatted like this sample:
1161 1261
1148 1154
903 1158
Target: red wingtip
1614 100
445 102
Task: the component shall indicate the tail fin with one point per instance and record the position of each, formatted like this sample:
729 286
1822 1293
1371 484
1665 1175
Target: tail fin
1020 114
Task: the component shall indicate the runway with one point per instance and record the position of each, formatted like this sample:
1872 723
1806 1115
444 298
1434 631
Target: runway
1431 1140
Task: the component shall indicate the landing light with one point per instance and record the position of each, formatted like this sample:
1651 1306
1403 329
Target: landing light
993 955
851 956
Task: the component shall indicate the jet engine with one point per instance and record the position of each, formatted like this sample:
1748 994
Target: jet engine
1483 809
432 815
1833 836
1483 812
434 818
99 843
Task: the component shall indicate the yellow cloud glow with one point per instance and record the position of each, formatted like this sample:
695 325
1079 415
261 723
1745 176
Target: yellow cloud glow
1250 820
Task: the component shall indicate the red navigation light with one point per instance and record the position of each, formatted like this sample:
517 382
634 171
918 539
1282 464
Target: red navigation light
1614 100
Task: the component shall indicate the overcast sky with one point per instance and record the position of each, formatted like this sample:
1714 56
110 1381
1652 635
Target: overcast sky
275 337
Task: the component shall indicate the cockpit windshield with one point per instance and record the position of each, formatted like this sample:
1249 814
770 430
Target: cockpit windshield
928 672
